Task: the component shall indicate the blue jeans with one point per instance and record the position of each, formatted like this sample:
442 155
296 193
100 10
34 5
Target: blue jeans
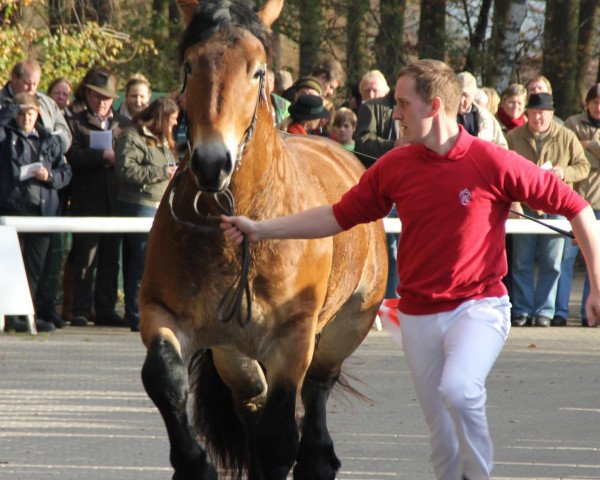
392 250
566 279
134 253
531 297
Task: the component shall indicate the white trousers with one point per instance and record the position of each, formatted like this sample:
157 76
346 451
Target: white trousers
450 355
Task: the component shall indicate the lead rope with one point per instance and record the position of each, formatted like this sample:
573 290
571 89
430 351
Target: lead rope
230 306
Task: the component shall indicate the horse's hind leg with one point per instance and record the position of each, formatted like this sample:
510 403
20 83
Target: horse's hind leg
277 436
165 379
316 456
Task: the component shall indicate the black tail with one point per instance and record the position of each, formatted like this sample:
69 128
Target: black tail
214 415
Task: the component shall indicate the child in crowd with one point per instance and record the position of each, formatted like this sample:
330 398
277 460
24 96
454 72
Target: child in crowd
344 124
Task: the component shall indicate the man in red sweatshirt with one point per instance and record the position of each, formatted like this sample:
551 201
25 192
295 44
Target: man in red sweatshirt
453 194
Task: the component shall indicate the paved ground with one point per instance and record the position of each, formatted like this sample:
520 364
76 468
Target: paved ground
72 406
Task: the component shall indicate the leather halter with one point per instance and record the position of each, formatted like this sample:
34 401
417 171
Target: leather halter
231 303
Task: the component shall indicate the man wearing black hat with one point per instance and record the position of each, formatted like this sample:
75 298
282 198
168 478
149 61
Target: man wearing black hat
94 193
555 148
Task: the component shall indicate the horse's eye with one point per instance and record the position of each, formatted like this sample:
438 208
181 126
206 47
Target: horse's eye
259 73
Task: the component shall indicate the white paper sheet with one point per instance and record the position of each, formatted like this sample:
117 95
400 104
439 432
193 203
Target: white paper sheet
27 171
101 140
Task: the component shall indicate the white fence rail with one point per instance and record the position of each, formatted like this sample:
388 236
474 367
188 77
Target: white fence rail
137 224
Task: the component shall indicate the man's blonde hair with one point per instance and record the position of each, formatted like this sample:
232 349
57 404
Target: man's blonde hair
435 79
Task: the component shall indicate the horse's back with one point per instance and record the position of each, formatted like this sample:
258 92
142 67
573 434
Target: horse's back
331 165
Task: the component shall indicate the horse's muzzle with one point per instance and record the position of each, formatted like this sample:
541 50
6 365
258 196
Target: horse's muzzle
212 166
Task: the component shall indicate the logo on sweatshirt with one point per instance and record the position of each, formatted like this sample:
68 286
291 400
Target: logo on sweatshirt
464 196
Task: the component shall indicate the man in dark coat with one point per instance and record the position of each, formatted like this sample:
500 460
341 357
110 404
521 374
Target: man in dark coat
94 193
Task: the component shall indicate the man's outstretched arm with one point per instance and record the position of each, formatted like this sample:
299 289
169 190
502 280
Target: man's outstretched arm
316 222
586 232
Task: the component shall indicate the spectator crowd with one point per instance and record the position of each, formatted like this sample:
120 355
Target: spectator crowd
72 151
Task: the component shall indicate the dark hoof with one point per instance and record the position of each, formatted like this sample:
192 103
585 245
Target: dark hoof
207 473
323 466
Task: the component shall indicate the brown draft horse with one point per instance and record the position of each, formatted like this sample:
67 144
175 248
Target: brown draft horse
312 302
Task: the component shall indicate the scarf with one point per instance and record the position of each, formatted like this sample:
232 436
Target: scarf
593 121
508 121
469 121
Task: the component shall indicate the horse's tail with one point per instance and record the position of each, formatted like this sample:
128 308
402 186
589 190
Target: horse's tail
214 415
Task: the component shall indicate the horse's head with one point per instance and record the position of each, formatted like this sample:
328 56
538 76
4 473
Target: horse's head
223 54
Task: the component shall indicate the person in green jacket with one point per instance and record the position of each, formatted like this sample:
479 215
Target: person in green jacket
145 163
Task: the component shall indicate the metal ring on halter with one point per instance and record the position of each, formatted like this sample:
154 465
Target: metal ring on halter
195 203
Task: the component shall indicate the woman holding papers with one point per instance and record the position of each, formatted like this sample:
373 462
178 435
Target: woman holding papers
32 170
94 193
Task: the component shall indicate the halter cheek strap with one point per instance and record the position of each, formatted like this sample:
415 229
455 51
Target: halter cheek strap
249 133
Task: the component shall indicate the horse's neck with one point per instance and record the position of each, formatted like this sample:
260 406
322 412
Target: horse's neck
266 171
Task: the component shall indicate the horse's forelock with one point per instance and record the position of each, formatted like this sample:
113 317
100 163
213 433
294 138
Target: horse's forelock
213 15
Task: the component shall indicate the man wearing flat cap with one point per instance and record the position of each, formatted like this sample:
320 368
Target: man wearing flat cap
94 193
556 148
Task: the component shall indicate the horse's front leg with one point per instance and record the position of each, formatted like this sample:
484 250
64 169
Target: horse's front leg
165 379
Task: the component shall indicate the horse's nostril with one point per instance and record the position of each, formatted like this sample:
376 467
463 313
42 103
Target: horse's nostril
211 164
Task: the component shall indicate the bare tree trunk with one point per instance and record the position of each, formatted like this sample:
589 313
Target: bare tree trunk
508 19
474 54
102 11
588 41
356 42
388 42
560 53
56 14
432 29
160 18
311 20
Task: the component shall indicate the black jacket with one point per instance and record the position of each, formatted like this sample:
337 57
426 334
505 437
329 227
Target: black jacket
93 190
31 196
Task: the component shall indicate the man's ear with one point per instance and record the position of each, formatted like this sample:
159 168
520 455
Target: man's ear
436 106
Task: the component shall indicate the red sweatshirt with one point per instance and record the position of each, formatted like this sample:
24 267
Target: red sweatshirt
453 210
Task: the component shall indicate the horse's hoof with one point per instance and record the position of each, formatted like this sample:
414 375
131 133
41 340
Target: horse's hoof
208 472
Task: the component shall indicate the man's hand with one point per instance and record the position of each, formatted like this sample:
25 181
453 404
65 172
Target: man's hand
109 157
42 174
235 228
559 172
592 309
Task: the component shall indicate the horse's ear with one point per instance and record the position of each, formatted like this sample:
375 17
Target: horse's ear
187 8
270 11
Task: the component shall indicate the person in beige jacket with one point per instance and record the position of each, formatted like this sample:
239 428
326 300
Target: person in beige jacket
556 148
586 126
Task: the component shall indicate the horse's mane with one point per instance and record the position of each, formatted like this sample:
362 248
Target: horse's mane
213 15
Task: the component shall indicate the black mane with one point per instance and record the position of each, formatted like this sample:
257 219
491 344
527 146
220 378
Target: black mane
212 15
